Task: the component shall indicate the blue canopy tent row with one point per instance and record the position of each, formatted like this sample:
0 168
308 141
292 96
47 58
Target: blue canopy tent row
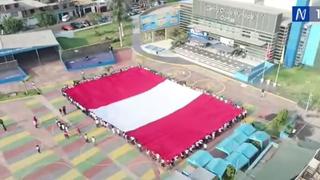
217 166
248 150
200 159
238 160
246 128
228 145
239 137
261 137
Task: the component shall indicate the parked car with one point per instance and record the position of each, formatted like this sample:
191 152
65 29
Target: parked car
134 12
76 25
65 18
67 28
86 23
103 19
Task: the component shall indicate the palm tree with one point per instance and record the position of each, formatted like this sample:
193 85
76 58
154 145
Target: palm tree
119 14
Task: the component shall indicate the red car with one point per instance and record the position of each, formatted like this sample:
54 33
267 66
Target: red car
67 28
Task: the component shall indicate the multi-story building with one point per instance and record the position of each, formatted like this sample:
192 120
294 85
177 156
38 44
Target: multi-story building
258 30
185 14
308 52
25 9
312 170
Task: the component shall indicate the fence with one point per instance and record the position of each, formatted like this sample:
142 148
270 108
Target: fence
13 64
76 53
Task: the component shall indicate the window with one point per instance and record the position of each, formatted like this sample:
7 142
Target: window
7 7
55 7
16 5
14 14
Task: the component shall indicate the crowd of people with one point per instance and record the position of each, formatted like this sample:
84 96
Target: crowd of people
202 143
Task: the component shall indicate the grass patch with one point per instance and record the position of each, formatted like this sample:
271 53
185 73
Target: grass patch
19 94
97 35
296 84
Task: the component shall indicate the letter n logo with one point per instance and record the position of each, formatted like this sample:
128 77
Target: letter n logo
300 13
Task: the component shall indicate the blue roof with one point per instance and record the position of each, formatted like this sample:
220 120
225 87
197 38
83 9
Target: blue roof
239 137
237 160
200 159
247 149
227 145
247 129
260 136
217 166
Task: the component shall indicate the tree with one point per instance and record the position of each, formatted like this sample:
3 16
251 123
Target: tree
229 173
278 123
179 37
119 15
94 17
45 19
12 25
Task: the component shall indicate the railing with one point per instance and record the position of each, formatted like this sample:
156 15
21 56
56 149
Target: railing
13 64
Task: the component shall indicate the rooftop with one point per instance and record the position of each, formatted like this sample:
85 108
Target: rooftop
30 4
5 2
28 40
247 6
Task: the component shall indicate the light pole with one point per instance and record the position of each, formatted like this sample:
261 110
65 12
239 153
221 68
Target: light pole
264 63
279 66
277 75
309 101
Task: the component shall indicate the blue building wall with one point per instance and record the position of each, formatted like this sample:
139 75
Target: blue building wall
312 48
294 38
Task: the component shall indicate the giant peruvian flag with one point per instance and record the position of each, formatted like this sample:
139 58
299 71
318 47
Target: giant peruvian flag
162 116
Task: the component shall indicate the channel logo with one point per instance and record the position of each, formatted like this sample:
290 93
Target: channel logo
306 13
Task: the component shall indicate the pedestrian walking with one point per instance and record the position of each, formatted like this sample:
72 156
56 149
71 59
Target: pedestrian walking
86 137
38 148
83 76
97 123
60 110
64 110
62 127
79 131
2 124
35 121
66 129
93 140
262 92
66 134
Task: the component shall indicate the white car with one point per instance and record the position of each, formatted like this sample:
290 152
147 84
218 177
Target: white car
65 18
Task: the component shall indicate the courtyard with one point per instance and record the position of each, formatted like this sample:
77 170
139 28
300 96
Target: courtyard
112 157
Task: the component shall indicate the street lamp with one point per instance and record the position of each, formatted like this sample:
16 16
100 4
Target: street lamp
309 101
279 66
264 63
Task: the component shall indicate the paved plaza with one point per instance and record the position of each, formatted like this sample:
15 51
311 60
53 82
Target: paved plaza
112 157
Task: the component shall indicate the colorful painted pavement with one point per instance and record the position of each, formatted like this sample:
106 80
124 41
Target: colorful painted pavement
73 158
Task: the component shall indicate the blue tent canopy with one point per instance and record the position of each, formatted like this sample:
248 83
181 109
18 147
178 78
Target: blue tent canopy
227 145
239 137
237 160
217 166
247 129
260 136
247 149
200 159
